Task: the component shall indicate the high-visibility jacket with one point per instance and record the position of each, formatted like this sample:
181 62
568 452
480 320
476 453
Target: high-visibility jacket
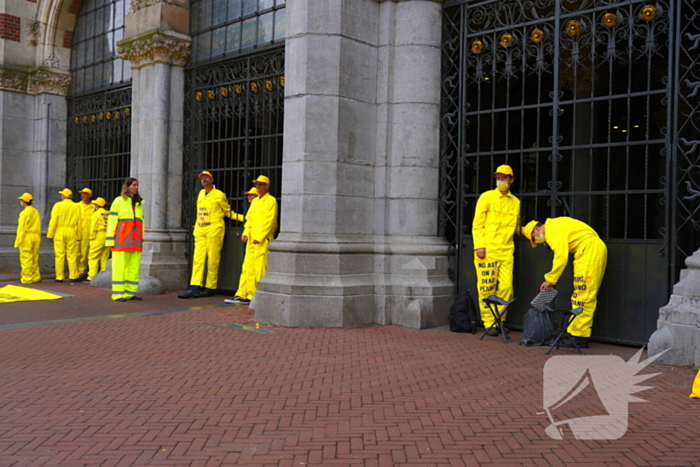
65 214
29 223
98 222
212 207
125 226
261 219
496 221
565 235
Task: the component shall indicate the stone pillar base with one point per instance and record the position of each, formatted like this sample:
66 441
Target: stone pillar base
319 281
678 327
164 258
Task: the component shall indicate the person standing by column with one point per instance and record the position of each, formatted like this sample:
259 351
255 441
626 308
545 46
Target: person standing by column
259 231
566 235
64 231
125 230
28 240
209 230
496 221
99 253
87 209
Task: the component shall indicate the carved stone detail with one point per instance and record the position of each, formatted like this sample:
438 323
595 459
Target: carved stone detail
136 5
33 32
157 47
35 81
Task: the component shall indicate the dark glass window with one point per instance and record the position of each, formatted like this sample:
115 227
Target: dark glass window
229 28
94 61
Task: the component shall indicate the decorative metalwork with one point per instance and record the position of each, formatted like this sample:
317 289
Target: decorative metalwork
94 61
211 94
649 13
99 153
506 40
598 114
236 138
477 47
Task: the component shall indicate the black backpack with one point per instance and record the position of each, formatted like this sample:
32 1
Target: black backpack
463 315
538 328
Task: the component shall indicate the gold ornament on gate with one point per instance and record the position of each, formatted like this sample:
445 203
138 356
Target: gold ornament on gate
117 115
537 35
254 87
93 119
282 81
573 27
211 94
198 96
108 115
238 89
268 85
609 20
223 92
506 40
649 13
101 116
77 121
127 111
477 47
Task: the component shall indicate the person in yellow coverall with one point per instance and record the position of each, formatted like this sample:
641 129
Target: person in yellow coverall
565 235
496 221
259 231
87 209
99 253
209 229
28 240
64 231
125 231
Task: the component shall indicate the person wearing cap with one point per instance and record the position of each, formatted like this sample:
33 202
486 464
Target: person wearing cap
87 209
259 231
124 236
565 235
64 231
496 221
209 229
28 240
252 194
99 253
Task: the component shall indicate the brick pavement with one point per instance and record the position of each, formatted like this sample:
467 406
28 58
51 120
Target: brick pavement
185 389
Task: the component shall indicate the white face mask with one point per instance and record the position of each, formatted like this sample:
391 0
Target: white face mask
539 239
502 185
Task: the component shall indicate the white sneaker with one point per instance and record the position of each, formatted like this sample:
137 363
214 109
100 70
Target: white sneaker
233 300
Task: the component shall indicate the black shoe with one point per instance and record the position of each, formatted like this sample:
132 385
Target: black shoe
206 293
568 342
192 293
134 297
120 300
59 280
244 301
73 281
492 332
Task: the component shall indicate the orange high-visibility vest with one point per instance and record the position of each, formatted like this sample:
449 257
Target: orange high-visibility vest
125 226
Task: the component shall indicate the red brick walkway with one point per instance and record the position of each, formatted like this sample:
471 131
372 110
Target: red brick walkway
185 389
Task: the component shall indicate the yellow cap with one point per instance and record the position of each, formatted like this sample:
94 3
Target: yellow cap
527 232
66 192
26 197
86 190
504 169
100 202
252 191
262 179
205 173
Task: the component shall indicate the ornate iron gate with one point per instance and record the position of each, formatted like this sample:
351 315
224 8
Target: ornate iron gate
579 96
233 128
99 142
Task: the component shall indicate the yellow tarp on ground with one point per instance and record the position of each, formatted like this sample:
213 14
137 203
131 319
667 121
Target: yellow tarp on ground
14 293
696 387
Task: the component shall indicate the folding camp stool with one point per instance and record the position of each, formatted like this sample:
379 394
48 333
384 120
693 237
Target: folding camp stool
493 303
568 317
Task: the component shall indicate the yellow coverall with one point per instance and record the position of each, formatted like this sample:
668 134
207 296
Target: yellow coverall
496 221
99 253
209 232
565 235
260 225
28 241
64 229
84 245
125 230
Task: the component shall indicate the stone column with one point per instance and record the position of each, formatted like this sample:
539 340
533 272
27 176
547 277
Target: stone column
157 45
678 327
358 223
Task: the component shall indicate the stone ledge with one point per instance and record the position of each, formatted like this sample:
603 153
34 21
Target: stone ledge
34 80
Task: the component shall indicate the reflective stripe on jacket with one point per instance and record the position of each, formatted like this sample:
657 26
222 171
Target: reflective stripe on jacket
125 226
